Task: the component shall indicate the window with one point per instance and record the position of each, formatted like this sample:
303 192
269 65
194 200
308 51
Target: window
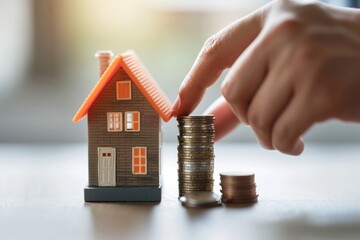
132 121
123 90
114 122
139 160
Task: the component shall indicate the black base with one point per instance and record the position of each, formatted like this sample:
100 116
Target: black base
122 194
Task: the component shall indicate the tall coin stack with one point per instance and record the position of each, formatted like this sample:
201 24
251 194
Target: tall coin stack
196 154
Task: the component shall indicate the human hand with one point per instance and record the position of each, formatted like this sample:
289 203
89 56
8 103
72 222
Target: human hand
292 64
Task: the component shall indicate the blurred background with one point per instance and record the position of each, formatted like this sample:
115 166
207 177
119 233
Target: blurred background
47 64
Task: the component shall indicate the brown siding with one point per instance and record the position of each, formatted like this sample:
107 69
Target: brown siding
124 141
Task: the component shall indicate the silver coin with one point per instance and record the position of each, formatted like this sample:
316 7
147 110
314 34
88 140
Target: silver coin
200 128
196 117
205 137
198 170
198 131
196 160
196 188
195 164
201 147
200 199
196 155
188 142
194 167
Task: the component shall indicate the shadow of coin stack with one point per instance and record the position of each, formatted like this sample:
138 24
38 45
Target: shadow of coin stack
238 187
196 154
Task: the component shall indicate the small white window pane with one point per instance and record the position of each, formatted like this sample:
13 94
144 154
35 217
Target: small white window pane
129 117
129 126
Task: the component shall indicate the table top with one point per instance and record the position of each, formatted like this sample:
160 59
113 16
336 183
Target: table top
314 196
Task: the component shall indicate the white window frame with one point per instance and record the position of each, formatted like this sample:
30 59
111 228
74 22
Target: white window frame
111 122
130 122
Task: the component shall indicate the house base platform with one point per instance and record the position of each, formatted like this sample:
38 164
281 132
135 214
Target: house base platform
122 194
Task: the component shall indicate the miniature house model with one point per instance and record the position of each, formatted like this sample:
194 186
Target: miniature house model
124 134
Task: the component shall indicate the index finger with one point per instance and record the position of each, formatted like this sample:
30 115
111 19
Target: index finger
218 53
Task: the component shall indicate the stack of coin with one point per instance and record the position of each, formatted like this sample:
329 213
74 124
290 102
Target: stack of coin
238 187
196 154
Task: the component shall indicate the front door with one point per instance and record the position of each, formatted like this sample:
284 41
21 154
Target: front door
107 166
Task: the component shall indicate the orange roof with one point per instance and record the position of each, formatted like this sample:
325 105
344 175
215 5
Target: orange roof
132 65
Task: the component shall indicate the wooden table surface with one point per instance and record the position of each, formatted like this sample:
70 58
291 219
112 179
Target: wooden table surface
314 196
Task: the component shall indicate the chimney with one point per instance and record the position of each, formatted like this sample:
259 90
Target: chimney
104 59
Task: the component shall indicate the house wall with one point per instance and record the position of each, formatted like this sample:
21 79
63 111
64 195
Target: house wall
124 141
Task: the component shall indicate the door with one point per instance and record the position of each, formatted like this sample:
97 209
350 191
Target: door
107 166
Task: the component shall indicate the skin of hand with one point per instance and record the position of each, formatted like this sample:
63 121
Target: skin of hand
292 64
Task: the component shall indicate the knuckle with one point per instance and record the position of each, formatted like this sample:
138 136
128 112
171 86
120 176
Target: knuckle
287 28
257 121
227 92
212 47
322 104
282 138
261 128
306 52
290 24
237 105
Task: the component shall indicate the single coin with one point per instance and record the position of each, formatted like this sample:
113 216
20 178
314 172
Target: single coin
246 196
197 160
196 117
200 199
193 163
202 125
206 182
238 187
197 170
209 134
238 191
205 137
240 200
202 147
197 188
237 178
193 186
195 155
238 194
195 142
236 174
196 152
196 184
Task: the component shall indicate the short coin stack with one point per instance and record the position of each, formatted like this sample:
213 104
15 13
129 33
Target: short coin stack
238 187
196 154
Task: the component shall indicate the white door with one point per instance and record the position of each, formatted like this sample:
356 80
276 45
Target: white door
107 166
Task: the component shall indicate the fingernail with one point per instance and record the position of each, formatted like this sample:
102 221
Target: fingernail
175 107
299 147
